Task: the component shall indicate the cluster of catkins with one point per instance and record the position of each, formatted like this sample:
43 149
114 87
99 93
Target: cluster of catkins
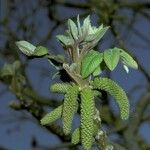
83 99
83 65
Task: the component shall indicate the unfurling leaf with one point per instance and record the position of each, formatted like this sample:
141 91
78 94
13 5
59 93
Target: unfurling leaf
111 58
116 91
90 62
85 27
95 37
52 116
99 36
87 115
26 47
73 29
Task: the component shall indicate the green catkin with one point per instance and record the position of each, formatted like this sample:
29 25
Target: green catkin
75 139
116 91
52 116
87 116
60 87
97 93
70 107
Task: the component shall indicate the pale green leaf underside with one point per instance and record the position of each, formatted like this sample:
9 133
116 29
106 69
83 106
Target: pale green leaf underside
85 27
26 47
73 29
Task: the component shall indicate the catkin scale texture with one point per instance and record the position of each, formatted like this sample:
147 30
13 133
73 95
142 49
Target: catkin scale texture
116 91
60 87
75 139
87 114
52 116
70 107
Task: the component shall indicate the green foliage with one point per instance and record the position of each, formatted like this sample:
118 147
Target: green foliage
70 107
65 40
85 27
52 116
116 91
81 65
30 50
87 115
26 47
127 59
111 58
73 29
90 62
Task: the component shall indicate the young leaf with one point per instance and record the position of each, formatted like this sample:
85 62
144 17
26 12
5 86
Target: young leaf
85 27
127 59
40 51
90 62
96 36
73 29
111 58
26 47
65 40
99 36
